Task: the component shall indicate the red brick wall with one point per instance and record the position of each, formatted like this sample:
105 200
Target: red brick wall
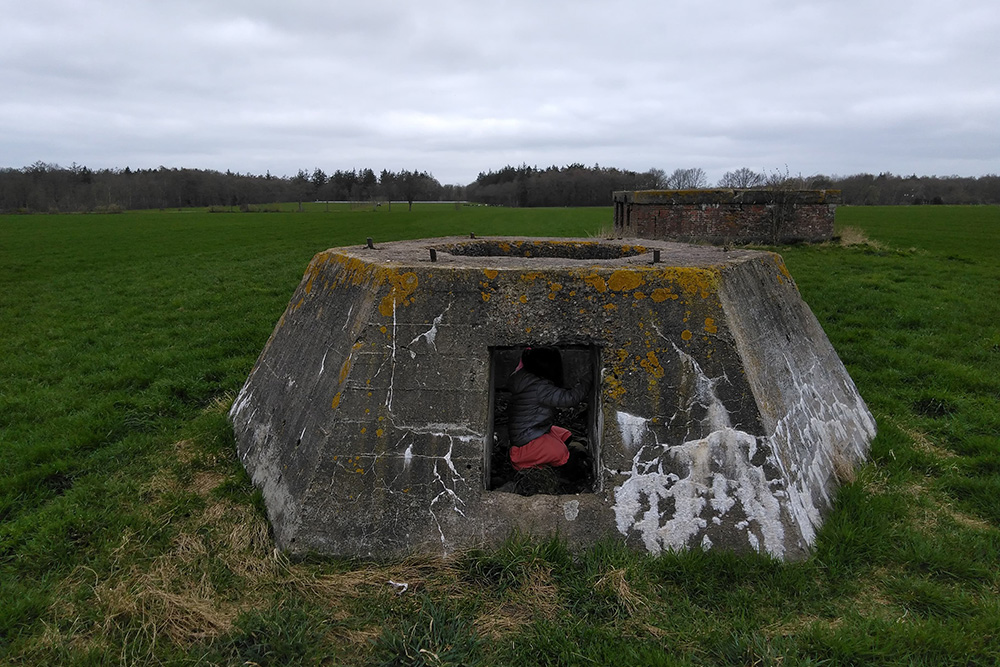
727 216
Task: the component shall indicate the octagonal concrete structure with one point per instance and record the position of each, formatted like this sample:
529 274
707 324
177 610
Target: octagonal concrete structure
721 415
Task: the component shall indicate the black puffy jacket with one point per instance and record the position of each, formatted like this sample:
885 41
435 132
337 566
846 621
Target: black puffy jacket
533 404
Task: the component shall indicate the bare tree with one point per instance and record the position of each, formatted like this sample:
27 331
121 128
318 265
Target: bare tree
687 179
741 178
654 179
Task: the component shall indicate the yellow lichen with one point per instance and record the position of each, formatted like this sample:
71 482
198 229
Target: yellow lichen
693 280
336 401
315 268
624 280
686 335
710 325
491 273
596 281
403 286
782 269
661 294
652 365
615 389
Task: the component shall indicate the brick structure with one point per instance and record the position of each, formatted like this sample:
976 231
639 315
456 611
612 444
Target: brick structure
727 216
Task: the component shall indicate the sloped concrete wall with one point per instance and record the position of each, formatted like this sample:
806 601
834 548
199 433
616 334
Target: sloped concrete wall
724 411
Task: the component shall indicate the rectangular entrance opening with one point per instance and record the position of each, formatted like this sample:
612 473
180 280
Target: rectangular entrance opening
582 473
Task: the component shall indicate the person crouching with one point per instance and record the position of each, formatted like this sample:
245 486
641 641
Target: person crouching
536 392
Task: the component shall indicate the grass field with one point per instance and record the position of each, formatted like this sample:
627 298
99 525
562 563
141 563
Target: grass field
130 535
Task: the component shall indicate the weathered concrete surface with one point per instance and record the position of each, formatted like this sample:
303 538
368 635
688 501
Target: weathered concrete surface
723 409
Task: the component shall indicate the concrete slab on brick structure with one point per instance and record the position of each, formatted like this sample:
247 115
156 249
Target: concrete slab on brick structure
723 216
720 417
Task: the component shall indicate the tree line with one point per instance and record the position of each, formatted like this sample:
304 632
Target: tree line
577 185
45 187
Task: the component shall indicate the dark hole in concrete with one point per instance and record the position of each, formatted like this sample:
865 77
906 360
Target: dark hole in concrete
580 475
560 249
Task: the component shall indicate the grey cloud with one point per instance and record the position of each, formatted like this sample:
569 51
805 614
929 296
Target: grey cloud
456 87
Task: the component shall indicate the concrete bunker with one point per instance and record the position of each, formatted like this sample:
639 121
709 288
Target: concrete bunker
720 414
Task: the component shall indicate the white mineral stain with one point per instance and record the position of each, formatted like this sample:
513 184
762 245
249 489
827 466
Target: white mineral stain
452 485
431 334
715 476
571 509
241 402
632 429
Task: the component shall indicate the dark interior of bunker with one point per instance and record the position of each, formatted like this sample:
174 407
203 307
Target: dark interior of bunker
579 475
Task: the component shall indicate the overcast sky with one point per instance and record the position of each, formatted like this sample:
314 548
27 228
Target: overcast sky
458 87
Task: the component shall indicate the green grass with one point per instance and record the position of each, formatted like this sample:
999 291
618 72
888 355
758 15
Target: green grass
129 533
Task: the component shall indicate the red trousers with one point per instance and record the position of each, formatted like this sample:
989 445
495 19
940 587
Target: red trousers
547 449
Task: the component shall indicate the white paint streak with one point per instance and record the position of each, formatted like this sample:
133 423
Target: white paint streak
461 431
431 334
447 457
814 430
449 484
242 399
717 416
392 360
445 494
632 429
